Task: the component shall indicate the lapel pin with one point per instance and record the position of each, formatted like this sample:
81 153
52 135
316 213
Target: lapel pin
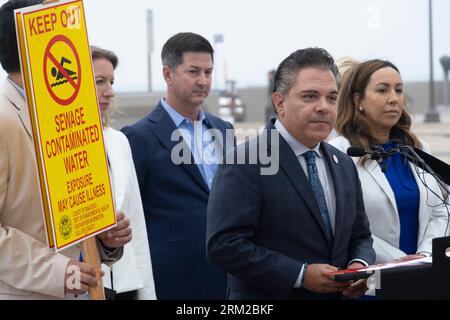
335 159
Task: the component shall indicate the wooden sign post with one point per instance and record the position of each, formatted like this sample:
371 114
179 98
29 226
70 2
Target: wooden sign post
91 257
67 129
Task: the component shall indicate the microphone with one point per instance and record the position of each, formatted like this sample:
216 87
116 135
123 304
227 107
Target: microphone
377 153
355 151
438 169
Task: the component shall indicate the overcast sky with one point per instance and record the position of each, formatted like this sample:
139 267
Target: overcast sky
259 34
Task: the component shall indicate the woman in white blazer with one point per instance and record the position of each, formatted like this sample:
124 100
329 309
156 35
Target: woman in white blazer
132 276
404 216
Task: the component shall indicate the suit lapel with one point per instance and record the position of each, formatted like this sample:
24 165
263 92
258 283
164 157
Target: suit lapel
25 118
338 182
19 103
375 171
219 143
294 172
162 128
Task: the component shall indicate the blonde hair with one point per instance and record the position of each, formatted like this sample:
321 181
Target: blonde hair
100 53
345 64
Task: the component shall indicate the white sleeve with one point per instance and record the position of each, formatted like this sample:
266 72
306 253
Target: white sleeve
141 244
385 251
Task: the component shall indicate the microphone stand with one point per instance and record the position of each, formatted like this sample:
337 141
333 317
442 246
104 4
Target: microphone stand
379 154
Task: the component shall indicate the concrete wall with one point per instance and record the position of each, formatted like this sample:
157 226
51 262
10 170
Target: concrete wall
138 104
135 105
418 95
256 100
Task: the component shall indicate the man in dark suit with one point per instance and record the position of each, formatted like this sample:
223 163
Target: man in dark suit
175 170
280 234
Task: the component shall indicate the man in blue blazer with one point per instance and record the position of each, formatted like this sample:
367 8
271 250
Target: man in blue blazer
280 234
175 167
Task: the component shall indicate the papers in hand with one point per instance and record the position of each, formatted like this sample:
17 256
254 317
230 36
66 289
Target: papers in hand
395 264
365 272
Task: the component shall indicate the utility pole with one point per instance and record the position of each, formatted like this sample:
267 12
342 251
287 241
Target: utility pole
219 63
149 47
432 114
445 61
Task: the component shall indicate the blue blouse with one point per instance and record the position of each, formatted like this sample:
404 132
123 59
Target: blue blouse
407 196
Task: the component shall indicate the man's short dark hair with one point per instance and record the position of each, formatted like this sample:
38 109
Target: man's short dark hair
287 71
9 54
173 50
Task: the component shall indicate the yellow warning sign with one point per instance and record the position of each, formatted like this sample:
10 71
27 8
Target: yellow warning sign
61 95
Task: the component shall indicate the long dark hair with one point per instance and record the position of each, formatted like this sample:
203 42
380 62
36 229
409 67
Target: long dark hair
353 124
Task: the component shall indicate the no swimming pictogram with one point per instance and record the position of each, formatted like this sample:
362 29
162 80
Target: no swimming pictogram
62 70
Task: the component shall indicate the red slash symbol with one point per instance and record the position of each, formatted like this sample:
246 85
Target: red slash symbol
60 72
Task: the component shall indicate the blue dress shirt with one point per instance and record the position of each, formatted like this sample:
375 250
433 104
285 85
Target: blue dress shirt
407 196
196 135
